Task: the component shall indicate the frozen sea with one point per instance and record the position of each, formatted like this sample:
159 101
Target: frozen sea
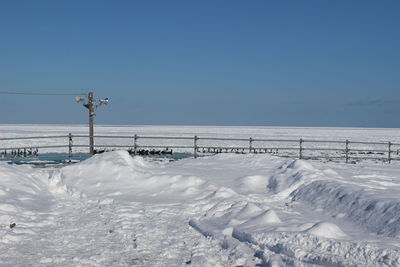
316 133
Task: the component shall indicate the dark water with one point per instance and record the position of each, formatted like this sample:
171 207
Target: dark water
62 159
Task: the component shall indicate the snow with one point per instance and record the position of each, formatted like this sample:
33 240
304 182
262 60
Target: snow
327 230
222 210
316 133
281 133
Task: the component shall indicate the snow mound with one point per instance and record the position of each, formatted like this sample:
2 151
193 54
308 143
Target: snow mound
290 176
253 183
116 157
224 192
326 230
268 216
249 210
372 212
265 218
23 191
24 202
117 175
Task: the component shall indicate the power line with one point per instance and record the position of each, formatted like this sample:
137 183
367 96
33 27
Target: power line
49 94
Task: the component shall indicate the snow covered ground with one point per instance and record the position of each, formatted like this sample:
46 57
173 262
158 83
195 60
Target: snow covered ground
223 210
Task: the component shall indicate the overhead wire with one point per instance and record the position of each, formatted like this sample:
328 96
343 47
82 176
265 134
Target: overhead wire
39 93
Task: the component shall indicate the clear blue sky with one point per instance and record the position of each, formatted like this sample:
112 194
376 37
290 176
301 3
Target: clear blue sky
268 63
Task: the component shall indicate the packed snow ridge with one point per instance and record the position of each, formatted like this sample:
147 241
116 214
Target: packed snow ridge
224 210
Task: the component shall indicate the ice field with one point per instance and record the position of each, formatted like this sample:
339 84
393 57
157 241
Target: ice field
222 210
317 133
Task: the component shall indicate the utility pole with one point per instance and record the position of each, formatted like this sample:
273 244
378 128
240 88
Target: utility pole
91 106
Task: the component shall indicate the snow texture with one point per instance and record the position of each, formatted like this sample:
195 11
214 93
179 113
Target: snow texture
223 210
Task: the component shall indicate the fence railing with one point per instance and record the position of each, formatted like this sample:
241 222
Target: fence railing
69 148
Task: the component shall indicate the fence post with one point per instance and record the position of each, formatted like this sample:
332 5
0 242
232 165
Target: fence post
389 151
347 151
301 149
250 144
69 147
195 146
135 144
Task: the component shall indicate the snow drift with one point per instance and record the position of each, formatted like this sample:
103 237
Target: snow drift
22 194
116 175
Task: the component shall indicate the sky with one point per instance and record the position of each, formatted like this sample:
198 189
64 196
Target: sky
255 63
